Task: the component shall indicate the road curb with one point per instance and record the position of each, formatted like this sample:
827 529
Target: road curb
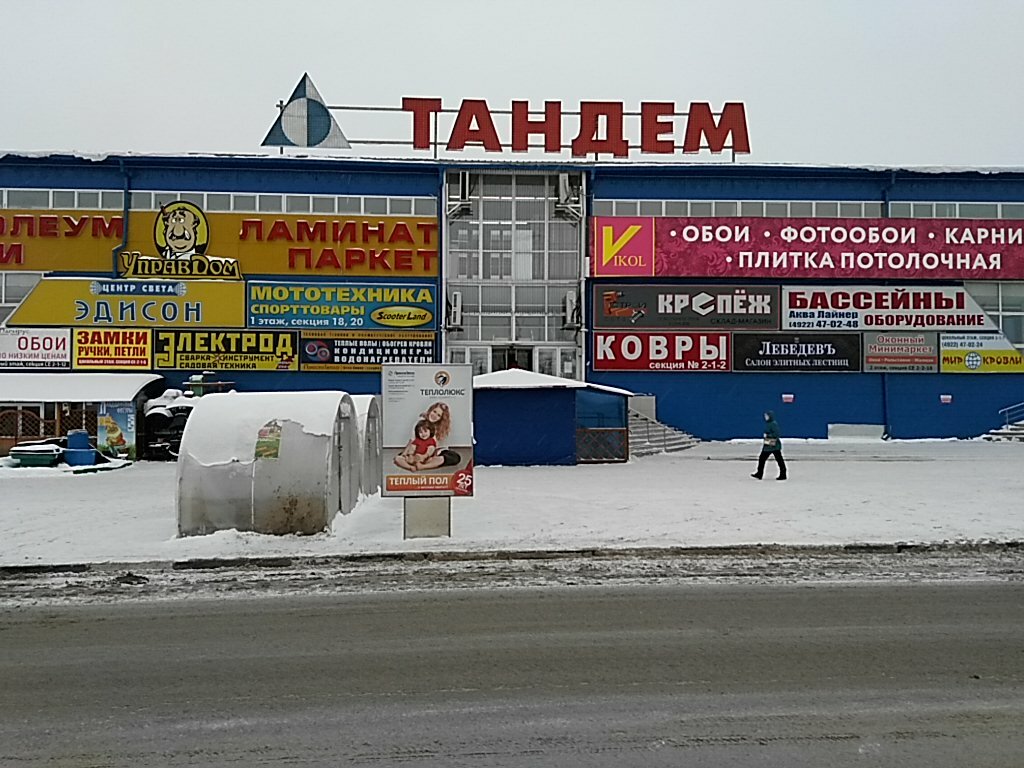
757 550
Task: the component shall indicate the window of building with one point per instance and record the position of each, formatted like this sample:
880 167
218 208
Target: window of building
15 286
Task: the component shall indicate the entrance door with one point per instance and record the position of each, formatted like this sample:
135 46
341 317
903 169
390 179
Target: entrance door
503 358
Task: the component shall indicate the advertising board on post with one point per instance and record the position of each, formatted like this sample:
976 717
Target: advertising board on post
427 430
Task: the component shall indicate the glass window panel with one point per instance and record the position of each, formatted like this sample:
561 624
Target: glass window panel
945 210
66 198
28 198
726 208
457 355
872 210
1013 297
375 205
470 297
269 203
677 208
350 205
467 265
530 298
826 209
978 211
522 266
1013 328
399 206
539 262
626 207
702 208
650 208
497 185
323 204
922 210
478 359
497 265
497 237
243 202
85 200
530 328
495 327
531 185
196 198
530 210
563 235
558 332
5 312
563 266
900 210
986 294
522 240
112 199
851 210
751 208
426 206
140 201
546 361
567 363
1010 210
497 210
801 209
780 210
297 203
464 235
18 285
496 298
603 208
216 201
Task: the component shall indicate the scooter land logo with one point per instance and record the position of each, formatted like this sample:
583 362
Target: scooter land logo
181 234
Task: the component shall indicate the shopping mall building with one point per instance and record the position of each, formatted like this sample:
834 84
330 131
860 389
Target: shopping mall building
831 295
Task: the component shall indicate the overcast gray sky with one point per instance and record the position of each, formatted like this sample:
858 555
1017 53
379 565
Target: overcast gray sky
836 82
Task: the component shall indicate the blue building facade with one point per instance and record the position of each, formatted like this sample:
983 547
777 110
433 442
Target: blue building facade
272 273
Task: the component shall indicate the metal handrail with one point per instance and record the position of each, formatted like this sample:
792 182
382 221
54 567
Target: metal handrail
1011 412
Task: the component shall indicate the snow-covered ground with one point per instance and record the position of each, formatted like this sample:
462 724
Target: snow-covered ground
839 493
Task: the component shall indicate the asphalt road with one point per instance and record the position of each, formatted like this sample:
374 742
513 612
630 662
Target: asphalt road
692 675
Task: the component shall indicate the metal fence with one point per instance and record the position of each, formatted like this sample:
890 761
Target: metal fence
602 446
19 425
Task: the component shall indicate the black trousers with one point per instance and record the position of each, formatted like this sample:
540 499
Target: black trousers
777 453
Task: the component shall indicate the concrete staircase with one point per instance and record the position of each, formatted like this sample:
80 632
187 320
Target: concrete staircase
648 436
1009 433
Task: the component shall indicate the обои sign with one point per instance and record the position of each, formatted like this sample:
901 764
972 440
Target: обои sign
595 128
747 247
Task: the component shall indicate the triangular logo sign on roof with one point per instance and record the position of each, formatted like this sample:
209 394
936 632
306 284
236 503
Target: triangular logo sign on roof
305 121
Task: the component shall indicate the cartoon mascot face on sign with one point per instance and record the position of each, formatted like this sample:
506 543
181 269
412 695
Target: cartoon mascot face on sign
181 231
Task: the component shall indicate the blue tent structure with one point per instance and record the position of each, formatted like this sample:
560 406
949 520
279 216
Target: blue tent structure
526 418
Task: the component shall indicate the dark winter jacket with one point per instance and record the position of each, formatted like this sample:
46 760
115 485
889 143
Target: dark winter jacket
772 439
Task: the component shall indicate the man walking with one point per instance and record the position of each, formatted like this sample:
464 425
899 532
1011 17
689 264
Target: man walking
772 446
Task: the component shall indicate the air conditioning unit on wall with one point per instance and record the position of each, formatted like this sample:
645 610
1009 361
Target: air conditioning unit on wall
454 311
